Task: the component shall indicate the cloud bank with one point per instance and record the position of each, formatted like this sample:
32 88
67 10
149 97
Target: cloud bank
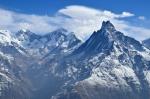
79 19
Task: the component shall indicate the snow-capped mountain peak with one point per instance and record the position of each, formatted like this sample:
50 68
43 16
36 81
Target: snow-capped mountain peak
24 34
106 38
100 40
107 25
108 61
60 39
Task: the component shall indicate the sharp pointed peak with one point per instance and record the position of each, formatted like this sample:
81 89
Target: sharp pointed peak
24 32
108 25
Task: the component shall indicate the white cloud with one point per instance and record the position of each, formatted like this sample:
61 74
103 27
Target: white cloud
79 19
84 20
113 15
141 18
16 21
126 14
139 33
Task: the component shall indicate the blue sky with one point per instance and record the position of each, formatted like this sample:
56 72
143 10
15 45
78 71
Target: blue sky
80 16
139 7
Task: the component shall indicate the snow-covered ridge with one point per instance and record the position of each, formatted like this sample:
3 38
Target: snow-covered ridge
34 43
5 36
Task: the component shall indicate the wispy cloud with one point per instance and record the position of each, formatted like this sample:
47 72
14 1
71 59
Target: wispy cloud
16 21
141 18
79 19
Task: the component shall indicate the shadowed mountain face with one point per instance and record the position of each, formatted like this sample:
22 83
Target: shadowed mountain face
147 43
109 65
105 38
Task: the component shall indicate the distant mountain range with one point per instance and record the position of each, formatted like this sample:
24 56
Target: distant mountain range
108 65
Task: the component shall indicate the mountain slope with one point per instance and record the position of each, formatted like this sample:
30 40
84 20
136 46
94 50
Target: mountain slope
46 49
108 62
59 66
13 83
24 51
40 45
